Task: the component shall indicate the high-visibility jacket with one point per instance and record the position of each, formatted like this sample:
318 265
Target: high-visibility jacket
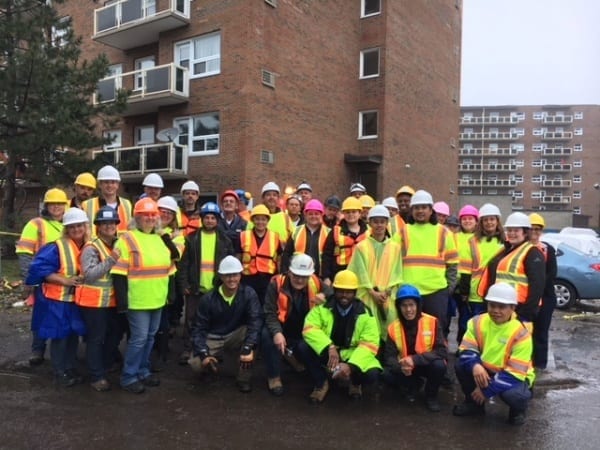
462 246
280 223
481 252
427 250
300 238
259 259
124 211
511 269
68 255
191 223
99 293
284 301
426 335
344 245
505 347
38 232
362 342
146 262
395 224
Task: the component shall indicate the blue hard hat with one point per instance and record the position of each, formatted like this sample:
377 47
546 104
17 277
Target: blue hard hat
210 208
106 214
407 291
243 196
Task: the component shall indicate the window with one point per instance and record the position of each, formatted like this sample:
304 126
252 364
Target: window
492 191
369 63
467 161
536 194
578 147
538 115
60 32
536 163
367 124
578 132
518 163
466 192
518 147
536 179
579 115
201 55
199 133
370 8
538 131
141 65
578 163
518 178
144 135
577 210
518 194
576 194
537 147
517 131
115 136
576 178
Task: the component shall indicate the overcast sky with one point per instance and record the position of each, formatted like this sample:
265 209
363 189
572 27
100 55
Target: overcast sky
530 52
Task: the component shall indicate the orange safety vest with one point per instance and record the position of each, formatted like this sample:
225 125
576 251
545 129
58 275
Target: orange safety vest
99 293
300 239
124 212
544 249
426 335
511 269
68 256
189 225
396 224
344 245
283 301
261 258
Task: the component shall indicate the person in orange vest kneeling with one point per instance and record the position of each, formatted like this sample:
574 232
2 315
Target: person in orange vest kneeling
415 349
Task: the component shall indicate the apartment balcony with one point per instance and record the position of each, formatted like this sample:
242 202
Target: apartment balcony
558 120
127 24
489 120
558 136
501 151
556 168
487 167
556 183
149 89
487 183
167 159
559 151
489 136
555 200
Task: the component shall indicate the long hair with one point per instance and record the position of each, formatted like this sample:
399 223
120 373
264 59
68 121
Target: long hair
499 233
86 237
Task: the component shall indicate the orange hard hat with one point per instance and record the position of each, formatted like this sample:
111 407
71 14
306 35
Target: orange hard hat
145 206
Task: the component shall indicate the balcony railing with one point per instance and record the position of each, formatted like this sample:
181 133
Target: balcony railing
489 120
556 199
501 151
559 151
556 167
169 159
489 135
149 88
487 167
487 183
127 24
556 183
557 119
558 135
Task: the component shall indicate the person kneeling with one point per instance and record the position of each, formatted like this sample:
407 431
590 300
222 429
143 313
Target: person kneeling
341 337
415 349
228 319
495 358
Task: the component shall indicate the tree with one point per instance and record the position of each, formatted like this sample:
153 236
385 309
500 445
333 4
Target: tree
47 119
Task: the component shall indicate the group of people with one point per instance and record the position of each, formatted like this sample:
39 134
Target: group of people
352 292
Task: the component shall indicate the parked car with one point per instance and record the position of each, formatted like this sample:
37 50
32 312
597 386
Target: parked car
585 243
578 275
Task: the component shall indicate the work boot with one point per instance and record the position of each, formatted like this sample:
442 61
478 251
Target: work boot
74 373
432 404
294 363
355 391
318 393
36 358
468 409
151 381
135 388
516 417
244 380
65 379
101 385
183 358
275 386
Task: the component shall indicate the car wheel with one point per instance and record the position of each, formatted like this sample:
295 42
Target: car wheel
565 294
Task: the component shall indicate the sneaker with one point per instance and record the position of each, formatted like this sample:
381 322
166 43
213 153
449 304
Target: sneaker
355 391
65 380
101 385
318 393
151 381
135 388
36 358
432 404
516 417
275 386
468 409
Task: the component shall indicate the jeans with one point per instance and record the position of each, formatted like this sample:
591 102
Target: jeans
433 374
143 325
466 311
63 353
272 355
101 340
436 304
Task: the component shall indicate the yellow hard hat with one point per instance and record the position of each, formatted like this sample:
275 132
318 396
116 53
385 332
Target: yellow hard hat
537 219
345 279
352 204
405 190
55 195
366 201
86 179
260 210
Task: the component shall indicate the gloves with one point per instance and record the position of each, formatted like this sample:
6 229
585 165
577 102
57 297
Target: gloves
246 357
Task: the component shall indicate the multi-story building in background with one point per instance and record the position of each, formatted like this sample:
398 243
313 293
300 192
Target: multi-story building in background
249 91
546 158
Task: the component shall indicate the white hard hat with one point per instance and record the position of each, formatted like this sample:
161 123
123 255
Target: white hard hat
502 293
489 210
518 219
168 202
302 265
108 173
378 211
153 180
270 186
73 216
421 197
230 264
357 187
190 186
390 202
304 185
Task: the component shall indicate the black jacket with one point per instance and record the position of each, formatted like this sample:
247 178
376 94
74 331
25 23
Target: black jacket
232 231
329 266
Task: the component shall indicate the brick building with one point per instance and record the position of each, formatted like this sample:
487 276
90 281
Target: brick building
328 91
546 157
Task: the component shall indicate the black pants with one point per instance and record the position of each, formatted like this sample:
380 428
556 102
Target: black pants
436 305
433 374
541 327
101 340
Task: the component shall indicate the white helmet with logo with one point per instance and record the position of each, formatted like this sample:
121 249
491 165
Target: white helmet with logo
302 265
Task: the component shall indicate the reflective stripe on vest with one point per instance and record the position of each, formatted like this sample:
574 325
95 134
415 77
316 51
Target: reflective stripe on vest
99 293
300 238
189 225
344 245
396 224
137 268
425 339
68 255
427 262
380 271
124 211
544 249
261 258
511 269
283 301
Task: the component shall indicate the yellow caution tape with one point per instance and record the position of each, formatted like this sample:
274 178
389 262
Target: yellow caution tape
8 233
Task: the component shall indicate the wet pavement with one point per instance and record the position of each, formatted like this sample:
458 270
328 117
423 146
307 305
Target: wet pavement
186 412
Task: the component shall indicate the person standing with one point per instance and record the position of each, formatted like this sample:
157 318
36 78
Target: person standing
442 211
332 216
396 221
279 222
84 187
304 190
153 185
293 206
141 283
357 190
231 223
190 215
403 196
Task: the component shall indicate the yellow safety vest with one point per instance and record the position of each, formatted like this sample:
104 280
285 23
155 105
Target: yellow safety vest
37 233
99 293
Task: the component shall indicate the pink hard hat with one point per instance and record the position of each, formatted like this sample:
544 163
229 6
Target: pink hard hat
468 210
441 208
314 205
